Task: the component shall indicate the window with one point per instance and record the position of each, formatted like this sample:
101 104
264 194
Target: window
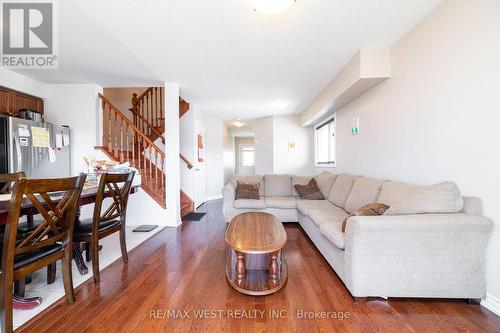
325 143
248 156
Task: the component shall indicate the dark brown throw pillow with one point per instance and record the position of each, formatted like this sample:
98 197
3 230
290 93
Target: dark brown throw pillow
310 191
373 209
247 190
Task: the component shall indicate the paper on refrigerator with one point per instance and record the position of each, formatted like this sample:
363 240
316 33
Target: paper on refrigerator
40 137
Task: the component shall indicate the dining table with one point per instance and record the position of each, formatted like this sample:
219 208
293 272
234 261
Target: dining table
87 197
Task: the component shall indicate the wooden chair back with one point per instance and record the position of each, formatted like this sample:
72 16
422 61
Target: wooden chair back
116 186
58 218
8 179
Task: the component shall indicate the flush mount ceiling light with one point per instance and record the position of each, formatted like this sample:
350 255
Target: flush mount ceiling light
238 123
281 104
273 7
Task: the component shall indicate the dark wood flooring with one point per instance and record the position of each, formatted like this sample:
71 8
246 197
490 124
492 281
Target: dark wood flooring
182 270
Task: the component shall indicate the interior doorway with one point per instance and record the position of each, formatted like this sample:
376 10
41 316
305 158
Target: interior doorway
247 159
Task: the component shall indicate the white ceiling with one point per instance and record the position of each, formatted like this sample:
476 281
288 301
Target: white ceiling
228 59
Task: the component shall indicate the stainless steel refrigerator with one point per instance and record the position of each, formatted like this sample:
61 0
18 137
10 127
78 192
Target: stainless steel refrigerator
41 150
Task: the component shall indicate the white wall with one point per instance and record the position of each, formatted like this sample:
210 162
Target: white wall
188 150
214 153
77 106
172 150
298 161
264 142
229 153
437 118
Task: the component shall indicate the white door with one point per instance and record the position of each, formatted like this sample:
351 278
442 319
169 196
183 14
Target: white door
200 175
247 160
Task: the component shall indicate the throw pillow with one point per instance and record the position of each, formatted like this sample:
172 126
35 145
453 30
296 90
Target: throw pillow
247 190
372 209
310 191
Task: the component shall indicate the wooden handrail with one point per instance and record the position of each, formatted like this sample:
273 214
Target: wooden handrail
189 165
141 96
148 111
151 127
131 124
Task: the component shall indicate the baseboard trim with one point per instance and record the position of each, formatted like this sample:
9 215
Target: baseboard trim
492 303
214 197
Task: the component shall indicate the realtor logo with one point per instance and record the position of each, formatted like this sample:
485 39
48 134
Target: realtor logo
28 34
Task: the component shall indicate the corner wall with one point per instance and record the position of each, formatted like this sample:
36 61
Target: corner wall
272 155
298 161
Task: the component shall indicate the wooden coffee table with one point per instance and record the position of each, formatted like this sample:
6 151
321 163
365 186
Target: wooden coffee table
255 264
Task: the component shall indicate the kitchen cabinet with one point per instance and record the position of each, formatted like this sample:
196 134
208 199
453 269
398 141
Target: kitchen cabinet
12 101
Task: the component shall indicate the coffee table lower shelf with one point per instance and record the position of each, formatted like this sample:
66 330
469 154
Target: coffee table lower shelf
257 280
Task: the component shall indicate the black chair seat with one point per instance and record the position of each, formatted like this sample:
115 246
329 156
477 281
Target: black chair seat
27 258
25 228
84 227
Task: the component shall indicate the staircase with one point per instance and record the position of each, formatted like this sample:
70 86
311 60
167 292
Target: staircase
124 141
138 141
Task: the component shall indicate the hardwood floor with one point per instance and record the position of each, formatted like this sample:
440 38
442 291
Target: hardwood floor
183 271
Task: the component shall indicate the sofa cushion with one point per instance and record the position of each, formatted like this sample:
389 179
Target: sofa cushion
364 191
247 190
305 205
310 191
407 199
250 179
278 186
299 180
333 232
250 203
281 202
325 182
327 216
341 189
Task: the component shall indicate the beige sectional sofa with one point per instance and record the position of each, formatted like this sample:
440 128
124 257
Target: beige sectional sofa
431 242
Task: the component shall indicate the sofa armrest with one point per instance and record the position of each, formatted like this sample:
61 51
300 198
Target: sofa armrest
426 255
229 194
229 191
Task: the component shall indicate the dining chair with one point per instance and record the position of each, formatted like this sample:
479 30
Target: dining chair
23 229
116 187
7 180
56 200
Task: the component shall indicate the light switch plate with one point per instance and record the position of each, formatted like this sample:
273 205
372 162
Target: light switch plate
355 126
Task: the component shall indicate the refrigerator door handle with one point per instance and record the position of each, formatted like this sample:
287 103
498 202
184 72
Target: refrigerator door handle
19 154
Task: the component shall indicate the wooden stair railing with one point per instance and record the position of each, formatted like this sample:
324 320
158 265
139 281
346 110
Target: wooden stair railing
123 141
148 113
188 164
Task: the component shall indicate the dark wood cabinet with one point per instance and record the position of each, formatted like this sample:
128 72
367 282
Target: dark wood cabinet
12 101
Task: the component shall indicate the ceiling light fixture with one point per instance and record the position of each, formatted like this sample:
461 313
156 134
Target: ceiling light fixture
273 7
238 124
281 104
